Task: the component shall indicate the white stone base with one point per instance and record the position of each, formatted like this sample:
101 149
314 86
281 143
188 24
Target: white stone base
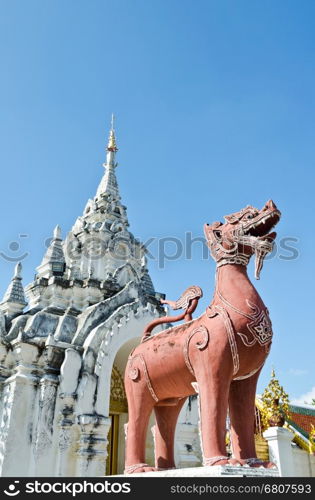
280 449
213 471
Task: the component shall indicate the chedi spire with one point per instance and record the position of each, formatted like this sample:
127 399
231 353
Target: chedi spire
53 263
14 301
108 184
112 146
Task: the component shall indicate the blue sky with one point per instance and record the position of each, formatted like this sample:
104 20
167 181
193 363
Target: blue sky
215 110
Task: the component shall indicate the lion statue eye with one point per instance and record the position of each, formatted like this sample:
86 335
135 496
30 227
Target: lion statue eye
250 216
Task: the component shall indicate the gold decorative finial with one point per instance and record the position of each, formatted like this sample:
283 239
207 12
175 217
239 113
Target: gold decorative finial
112 146
274 404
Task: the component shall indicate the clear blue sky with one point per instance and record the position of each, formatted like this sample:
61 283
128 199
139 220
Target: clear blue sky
215 110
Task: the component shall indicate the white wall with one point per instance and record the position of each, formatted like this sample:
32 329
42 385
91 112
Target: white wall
302 462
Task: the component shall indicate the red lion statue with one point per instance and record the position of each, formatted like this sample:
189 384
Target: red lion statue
218 355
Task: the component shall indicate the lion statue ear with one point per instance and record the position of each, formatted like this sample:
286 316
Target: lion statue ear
213 232
214 225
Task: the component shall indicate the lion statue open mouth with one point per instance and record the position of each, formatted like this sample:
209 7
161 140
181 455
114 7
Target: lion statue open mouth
244 230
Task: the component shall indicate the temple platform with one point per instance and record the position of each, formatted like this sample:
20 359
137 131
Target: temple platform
214 471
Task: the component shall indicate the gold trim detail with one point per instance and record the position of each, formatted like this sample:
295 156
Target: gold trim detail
112 450
262 449
118 400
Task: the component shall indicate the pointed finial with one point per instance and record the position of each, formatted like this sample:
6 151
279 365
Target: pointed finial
18 270
57 232
112 146
14 301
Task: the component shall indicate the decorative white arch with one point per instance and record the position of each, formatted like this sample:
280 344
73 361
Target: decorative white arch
106 340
